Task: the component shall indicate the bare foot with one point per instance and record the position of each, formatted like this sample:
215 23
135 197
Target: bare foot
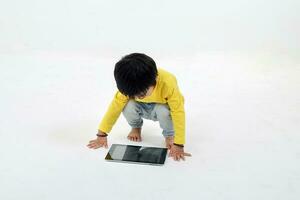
169 141
135 135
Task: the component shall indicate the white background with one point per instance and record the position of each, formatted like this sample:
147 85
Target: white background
237 64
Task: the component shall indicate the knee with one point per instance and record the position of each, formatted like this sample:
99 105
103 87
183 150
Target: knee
162 111
130 108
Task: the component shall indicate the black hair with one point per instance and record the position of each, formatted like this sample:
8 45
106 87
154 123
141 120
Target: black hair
134 74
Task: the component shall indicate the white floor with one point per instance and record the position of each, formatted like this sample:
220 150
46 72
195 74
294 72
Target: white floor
243 127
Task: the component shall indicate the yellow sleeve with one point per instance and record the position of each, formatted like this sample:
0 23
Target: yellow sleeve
175 101
112 114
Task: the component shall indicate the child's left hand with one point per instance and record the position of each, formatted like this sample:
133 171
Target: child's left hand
178 153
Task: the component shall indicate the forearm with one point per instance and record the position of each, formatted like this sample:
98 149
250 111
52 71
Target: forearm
113 112
178 119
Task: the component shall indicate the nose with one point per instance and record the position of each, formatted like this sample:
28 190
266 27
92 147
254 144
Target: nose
141 97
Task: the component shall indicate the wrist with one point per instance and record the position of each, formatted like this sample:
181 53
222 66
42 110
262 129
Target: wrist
101 134
178 145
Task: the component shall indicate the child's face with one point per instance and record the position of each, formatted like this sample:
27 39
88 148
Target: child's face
148 93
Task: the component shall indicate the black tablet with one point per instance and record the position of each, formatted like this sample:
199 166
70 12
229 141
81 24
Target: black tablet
137 154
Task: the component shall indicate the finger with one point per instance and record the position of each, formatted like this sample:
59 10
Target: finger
97 144
94 146
102 144
91 145
168 146
92 142
181 157
187 154
174 157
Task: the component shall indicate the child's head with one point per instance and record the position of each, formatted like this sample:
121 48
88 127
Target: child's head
135 74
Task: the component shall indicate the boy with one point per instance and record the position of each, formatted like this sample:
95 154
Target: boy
145 92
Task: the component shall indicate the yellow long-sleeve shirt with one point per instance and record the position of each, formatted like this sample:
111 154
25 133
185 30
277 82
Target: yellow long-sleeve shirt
166 91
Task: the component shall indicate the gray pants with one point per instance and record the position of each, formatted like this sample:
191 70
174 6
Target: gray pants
134 112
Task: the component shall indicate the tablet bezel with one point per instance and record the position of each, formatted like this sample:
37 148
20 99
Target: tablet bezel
113 146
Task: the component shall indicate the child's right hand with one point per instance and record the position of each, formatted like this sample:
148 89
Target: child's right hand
97 143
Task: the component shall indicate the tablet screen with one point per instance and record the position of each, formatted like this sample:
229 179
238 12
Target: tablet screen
137 154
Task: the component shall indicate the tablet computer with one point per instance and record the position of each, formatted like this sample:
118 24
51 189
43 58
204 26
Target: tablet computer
137 154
